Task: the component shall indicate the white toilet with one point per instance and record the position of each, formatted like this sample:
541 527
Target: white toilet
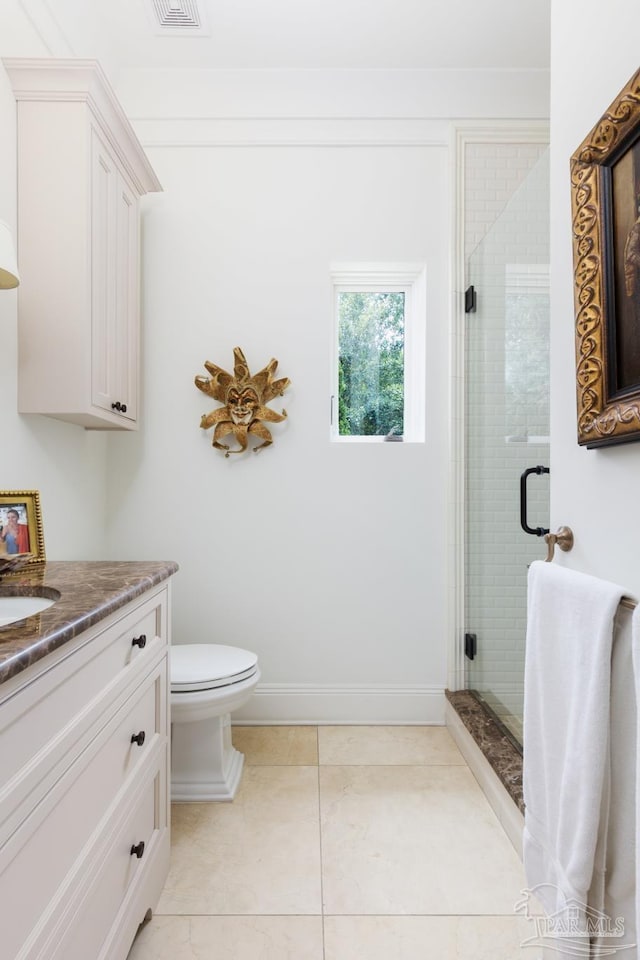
208 681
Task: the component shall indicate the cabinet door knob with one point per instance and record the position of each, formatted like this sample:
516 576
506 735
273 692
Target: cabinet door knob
138 738
123 407
138 849
140 641
117 406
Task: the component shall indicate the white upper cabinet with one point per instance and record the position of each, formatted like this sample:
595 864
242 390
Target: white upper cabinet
81 173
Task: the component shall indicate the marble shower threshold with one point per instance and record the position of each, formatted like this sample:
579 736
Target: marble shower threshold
497 747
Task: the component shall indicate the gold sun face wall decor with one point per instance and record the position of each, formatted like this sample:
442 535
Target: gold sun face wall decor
244 398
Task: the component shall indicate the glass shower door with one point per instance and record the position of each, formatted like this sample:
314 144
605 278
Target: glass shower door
507 431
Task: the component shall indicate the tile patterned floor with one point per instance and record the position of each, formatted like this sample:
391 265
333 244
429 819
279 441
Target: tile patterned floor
343 843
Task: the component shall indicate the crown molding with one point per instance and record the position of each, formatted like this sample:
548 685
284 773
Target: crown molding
290 131
83 82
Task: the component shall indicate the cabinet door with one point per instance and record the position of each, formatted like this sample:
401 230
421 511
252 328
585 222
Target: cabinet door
114 285
126 339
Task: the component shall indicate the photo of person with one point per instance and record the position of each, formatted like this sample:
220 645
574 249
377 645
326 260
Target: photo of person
14 529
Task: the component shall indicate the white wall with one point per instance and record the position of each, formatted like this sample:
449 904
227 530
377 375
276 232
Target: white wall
66 464
592 491
327 559
348 94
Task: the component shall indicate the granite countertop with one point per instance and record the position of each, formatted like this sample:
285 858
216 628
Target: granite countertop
88 592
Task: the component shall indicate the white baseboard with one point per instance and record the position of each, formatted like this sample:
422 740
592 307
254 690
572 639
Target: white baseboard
312 703
503 806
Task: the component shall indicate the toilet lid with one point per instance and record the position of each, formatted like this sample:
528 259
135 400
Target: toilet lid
203 666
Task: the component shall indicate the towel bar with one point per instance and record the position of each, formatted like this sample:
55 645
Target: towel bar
564 539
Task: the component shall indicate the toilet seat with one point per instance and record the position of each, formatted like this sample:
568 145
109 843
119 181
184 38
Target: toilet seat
205 666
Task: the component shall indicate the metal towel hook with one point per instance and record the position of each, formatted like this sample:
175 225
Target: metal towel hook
563 538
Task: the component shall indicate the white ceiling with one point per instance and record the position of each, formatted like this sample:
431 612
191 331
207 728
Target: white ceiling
311 34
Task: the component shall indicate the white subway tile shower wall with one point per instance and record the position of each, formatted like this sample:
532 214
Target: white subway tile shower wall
493 172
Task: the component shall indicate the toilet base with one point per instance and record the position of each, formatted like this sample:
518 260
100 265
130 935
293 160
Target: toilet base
204 763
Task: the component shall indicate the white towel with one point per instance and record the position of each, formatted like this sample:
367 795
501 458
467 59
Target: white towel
635 643
613 888
566 729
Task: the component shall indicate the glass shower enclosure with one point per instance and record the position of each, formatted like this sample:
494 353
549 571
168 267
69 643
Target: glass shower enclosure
507 432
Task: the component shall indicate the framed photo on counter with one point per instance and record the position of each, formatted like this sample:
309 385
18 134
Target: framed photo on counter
21 529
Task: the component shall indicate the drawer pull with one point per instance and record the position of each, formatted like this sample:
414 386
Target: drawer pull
140 641
138 738
138 849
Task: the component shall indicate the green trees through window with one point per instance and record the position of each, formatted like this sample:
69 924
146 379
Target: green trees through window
371 328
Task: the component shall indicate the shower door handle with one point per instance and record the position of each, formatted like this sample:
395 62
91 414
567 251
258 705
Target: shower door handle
534 531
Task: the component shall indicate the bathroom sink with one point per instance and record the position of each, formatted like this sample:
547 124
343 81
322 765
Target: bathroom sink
17 608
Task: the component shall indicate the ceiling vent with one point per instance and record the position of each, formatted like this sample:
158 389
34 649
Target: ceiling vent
178 18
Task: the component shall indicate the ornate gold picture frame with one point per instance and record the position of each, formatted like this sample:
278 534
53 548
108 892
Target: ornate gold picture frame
605 190
21 533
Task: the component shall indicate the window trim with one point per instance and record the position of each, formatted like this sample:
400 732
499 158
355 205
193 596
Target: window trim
407 278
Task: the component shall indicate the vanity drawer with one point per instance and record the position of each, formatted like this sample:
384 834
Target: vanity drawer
51 841
40 719
85 932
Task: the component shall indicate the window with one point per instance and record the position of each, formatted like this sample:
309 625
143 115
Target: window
371 363
378 389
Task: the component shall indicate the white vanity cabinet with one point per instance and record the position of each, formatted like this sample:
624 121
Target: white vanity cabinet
81 173
84 795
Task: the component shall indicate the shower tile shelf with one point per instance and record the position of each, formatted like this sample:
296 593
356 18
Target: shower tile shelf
544 441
